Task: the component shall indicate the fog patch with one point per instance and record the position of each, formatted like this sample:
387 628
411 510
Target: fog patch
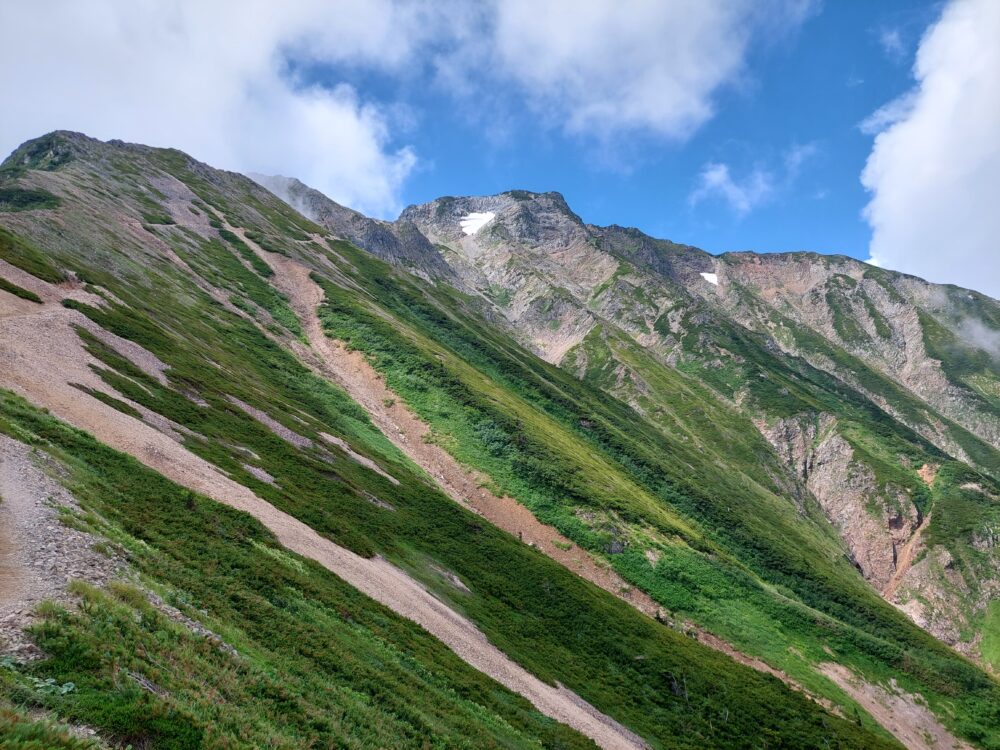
980 335
284 188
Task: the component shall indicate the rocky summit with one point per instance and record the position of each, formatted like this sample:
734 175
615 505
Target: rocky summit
277 474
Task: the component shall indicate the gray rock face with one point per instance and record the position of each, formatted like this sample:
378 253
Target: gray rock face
873 521
906 329
399 243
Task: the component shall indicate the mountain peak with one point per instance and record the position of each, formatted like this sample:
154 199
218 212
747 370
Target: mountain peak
48 152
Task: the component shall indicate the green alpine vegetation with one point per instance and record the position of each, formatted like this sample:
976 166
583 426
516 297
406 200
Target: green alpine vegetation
672 429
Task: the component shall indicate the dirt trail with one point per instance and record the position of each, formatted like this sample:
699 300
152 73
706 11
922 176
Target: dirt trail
14 578
353 372
904 560
902 714
39 555
40 355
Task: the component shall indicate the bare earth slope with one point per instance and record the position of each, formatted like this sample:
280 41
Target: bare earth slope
36 343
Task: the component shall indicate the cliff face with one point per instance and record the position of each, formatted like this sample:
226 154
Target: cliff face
874 521
934 341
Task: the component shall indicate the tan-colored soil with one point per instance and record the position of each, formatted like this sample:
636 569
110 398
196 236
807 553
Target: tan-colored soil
352 371
406 431
927 472
40 355
904 560
902 714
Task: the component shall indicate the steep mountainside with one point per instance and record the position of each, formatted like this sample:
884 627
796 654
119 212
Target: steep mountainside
486 475
890 376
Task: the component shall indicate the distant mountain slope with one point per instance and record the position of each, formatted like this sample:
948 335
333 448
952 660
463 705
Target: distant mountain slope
147 298
873 356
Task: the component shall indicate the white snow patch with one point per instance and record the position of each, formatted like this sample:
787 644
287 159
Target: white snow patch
711 278
475 221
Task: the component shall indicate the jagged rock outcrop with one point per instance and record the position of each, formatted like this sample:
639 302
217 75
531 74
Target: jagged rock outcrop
908 330
874 521
399 243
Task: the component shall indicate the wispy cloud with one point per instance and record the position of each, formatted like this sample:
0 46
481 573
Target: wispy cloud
742 195
891 41
889 114
796 156
757 187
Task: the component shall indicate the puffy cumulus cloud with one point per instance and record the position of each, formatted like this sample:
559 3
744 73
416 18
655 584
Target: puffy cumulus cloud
934 169
219 78
214 79
598 68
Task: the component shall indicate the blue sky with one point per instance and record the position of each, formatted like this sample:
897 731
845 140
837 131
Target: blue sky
727 124
803 94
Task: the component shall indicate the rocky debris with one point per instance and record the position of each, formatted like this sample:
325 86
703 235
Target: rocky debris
905 715
257 473
883 531
193 625
363 460
451 578
936 595
928 472
378 502
272 424
142 358
167 426
148 685
39 554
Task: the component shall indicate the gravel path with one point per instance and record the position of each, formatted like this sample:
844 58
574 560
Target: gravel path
39 555
902 714
40 355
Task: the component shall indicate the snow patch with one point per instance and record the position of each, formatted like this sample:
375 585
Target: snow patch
475 221
711 278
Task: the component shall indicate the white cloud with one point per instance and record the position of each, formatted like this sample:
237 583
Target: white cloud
599 68
796 156
934 171
212 78
743 196
218 78
889 114
891 41
758 187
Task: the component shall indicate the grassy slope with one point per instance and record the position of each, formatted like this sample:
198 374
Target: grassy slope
730 556
289 619
318 662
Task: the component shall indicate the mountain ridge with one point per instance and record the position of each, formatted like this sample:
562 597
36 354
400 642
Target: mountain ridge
701 460
684 266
